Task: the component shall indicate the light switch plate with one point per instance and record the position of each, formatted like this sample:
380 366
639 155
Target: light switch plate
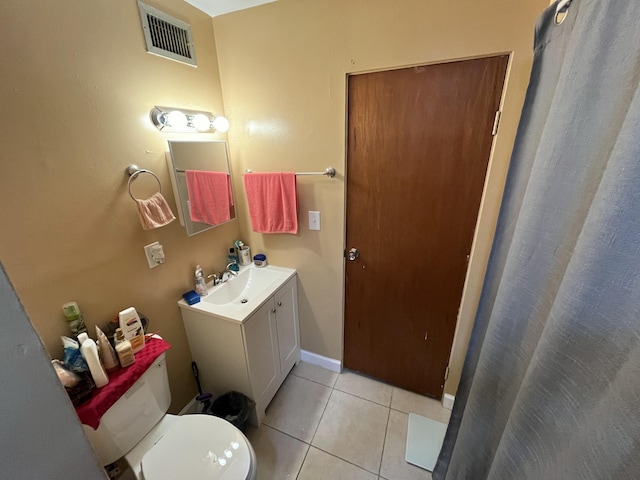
148 249
314 220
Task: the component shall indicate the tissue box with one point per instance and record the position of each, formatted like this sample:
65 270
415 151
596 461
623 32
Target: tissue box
191 297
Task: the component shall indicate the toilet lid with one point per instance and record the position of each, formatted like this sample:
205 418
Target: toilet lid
199 447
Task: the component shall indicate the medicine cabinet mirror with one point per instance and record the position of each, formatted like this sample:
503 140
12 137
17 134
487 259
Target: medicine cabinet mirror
195 155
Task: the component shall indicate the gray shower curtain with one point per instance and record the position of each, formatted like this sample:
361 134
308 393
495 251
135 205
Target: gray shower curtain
551 383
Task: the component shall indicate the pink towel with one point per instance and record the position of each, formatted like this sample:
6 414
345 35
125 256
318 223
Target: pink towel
210 196
273 202
154 212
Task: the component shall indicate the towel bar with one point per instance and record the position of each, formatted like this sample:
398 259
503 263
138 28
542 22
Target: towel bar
329 172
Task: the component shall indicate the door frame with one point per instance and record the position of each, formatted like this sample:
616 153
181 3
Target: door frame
478 258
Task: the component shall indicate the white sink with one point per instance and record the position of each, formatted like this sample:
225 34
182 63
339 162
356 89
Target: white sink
237 298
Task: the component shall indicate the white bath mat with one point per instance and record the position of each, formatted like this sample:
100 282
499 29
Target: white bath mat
424 441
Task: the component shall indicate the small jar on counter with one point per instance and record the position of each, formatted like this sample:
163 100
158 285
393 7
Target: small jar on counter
260 260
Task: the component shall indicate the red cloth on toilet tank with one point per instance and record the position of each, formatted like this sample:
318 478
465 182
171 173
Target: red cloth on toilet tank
91 411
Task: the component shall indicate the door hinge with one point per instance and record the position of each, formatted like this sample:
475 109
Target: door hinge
446 374
496 123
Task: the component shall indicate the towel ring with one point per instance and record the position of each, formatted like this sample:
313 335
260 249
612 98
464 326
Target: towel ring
134 171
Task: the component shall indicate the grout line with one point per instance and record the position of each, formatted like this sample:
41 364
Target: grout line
363 398
311 380
384 441
321 417
345 460
306 454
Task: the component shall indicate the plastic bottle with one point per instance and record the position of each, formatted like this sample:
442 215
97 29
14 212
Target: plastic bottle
74 318
89 351
107 353
123 349
233 259
131 326
201 284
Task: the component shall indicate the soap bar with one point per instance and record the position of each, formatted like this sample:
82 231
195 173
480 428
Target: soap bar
191 297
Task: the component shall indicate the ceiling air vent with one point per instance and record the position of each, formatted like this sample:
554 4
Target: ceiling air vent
167 36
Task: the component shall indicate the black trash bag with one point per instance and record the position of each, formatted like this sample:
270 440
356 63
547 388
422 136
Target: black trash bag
234 407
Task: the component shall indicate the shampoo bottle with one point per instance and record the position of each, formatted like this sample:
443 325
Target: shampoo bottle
123 349
107 353
89 351
131 326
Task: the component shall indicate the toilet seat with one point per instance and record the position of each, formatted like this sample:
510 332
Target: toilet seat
199 447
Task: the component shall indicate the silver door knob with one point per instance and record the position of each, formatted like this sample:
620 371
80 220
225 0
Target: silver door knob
353 254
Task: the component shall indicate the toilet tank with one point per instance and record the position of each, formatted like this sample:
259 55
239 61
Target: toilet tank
133 415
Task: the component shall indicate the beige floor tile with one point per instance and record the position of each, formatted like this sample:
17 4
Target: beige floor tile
394 466
278 455
320 465
297 407
409 402
315 373
353 429
364 387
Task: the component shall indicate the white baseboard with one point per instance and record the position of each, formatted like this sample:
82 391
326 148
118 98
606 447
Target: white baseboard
322 361
447 401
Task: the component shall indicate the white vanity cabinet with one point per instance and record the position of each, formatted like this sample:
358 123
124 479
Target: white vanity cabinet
252 356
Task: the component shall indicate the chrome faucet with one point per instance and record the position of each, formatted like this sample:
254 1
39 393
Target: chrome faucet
227 272
216 279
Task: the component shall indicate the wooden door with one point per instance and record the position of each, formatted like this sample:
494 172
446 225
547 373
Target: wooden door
419 141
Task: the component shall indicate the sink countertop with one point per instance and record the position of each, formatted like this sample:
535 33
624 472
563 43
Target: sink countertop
236 312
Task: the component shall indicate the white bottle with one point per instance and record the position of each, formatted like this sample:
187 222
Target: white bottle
89 351
131 326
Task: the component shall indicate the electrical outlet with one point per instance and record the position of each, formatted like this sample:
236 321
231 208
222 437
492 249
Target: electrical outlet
314 220
151 251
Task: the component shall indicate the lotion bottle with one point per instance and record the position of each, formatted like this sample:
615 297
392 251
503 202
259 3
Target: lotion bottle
107 353
123 349
131 326
89 351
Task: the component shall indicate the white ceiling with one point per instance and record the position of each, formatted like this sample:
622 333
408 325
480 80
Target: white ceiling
220 7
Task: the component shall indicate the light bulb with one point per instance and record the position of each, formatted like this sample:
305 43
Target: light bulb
177 119
221 124
201 122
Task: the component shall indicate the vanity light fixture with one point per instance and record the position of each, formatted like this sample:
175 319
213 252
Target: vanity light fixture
171 119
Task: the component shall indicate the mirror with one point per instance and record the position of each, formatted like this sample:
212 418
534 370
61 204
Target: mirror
196 155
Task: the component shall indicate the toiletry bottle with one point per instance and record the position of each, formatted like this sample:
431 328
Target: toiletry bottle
201 284
123 349
131 326
89 351
233 259
74 318
107 353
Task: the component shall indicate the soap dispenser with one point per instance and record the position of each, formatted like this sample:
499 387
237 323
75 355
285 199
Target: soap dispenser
201 284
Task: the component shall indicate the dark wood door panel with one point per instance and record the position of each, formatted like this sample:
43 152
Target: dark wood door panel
419 141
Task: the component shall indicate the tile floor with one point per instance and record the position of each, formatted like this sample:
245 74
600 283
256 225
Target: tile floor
324 425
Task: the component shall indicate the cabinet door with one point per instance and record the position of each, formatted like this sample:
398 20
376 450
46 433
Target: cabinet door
288 330
262 353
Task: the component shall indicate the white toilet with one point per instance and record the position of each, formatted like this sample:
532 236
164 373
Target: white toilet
159 446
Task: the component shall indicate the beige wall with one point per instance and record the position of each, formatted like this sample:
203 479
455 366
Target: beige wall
283 70
77 86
